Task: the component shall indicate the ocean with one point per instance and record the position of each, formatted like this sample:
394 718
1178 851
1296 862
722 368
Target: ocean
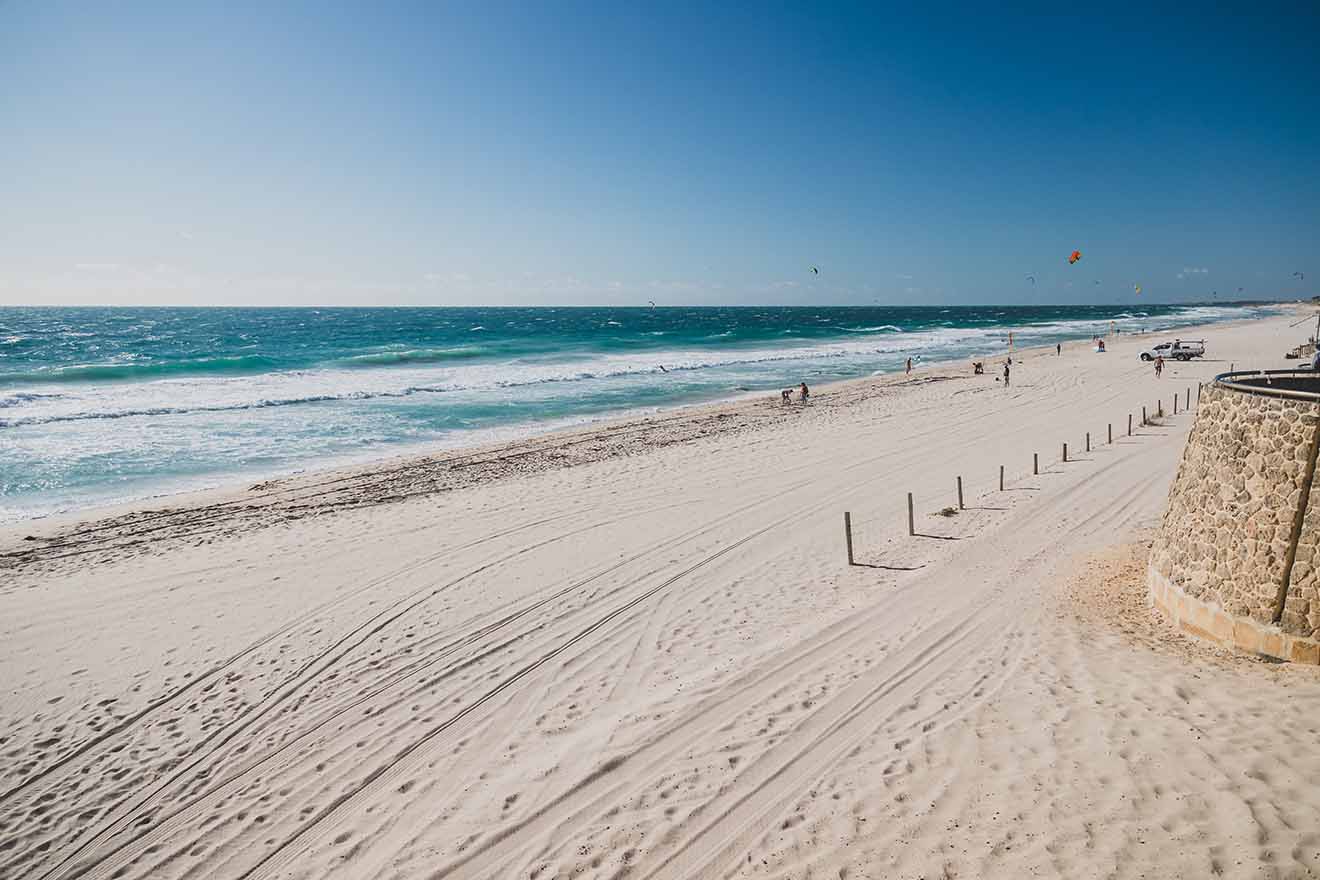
102 405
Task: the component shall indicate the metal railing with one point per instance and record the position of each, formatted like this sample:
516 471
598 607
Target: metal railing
1262 382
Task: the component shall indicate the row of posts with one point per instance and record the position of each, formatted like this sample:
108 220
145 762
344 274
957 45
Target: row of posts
1035 468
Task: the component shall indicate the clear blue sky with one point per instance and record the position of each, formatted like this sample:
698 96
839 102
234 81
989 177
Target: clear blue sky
533 153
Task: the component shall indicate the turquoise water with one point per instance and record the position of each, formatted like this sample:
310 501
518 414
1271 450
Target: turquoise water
107 404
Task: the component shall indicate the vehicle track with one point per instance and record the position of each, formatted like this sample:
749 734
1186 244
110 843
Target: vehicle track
206 676
295 682
138 807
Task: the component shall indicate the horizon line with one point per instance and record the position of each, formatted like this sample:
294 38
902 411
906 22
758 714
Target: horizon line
1235 302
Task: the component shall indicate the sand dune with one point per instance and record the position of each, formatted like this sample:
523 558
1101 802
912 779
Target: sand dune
637 651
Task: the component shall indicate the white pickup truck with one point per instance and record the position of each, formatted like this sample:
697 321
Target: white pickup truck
1178 350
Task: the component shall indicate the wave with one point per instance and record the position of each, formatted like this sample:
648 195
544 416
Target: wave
883 328
121 372
478 379
218 408
25 397
467 373
414 356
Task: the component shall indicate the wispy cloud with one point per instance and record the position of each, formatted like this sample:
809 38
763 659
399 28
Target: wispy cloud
1193 270
97 267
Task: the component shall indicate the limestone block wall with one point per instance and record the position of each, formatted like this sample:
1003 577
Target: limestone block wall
1227 533
1301 612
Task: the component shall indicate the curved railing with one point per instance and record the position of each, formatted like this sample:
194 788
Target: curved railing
1264 382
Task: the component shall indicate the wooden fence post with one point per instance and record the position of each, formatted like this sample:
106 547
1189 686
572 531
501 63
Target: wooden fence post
912 524
1001 478
847 534
1143 416
960 497
1111 432
1065 452
1129 424
1188 404
1035 463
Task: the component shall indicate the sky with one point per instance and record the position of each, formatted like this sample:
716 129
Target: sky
571 153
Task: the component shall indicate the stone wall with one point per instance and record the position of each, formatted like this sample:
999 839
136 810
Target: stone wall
1301 612
1225 540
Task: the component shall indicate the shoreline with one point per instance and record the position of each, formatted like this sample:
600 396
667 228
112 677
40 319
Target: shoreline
164 492
27 539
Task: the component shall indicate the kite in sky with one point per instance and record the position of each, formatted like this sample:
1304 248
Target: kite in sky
1299 275
1032 279
815 271
1074 257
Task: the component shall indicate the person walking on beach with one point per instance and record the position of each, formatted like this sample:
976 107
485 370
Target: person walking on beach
1159 366
1006 366
803 393
909 366
1058 348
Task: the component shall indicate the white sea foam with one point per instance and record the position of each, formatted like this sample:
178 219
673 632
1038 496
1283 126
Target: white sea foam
181 429
449 371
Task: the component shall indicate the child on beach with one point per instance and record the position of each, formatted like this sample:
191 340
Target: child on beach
909 366
803 393
1006 366
1159 366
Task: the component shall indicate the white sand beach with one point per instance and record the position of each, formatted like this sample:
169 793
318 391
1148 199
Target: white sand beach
637 650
